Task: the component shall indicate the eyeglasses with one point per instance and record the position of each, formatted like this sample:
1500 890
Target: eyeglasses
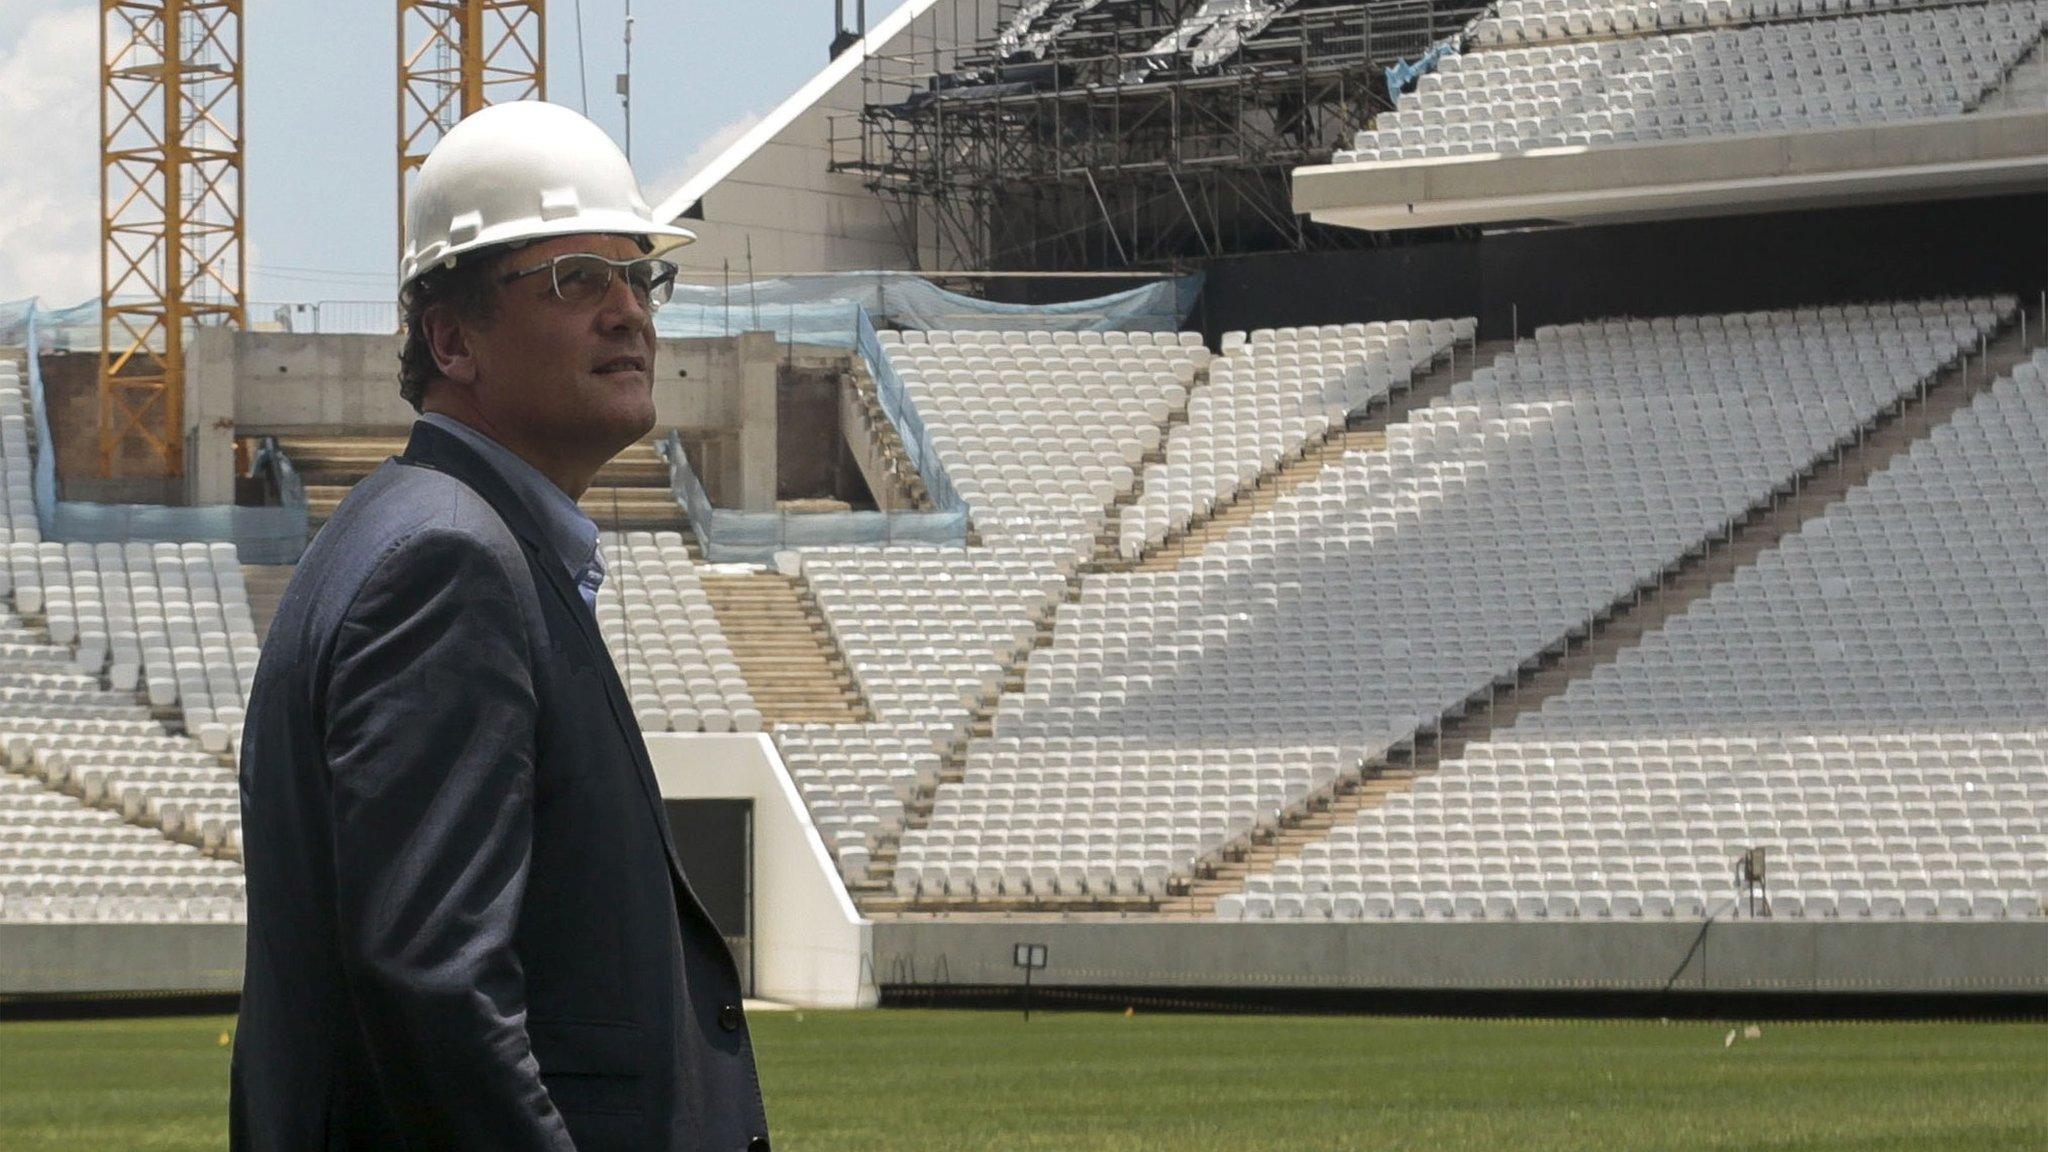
583 278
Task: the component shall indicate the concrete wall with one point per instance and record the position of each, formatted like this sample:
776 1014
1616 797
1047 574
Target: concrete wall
774 187
721 392
71 390
1744 956
812 948
57 959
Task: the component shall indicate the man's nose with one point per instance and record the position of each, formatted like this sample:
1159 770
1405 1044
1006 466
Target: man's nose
622 309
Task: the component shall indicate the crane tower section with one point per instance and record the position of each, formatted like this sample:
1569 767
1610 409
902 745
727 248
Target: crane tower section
171 153
455 57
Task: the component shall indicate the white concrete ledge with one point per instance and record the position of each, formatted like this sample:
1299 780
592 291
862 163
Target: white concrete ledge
1979 155
812 947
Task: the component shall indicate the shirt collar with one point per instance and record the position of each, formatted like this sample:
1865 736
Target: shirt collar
571 533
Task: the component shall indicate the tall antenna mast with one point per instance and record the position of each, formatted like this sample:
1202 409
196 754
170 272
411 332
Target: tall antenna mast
626 82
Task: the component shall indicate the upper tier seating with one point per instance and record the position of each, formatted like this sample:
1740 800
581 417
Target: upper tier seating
1269 399
665 638
1517 22
1398 585
1868 701
1773 78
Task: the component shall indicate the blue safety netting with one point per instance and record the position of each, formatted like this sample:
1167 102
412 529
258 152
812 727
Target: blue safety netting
14 316
729 536
823 309
261 535
901 411
1403 74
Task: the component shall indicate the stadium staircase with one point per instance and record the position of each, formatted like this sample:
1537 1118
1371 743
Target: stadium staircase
266 587
882 435
1620 627
1365 429
630 494
1105 553
2025 85
779 638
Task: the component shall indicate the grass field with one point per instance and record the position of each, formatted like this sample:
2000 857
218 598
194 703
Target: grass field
911 1081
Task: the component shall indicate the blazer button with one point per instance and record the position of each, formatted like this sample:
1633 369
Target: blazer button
729 1019
758 1144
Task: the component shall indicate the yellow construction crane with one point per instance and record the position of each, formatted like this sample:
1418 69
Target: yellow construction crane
171 236
455 57
171 158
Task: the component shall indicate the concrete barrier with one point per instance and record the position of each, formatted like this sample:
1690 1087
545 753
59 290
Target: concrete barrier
812 947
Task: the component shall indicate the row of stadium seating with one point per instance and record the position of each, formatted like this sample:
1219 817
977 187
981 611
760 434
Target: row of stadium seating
62 861
926 632
173 618
665 639
1515 22
1771 78
990 409
1397 585
1863 701
1267 400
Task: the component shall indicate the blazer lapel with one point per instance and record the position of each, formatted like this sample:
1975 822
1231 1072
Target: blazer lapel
434 448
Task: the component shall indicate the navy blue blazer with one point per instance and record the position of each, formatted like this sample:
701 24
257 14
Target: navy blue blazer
468 928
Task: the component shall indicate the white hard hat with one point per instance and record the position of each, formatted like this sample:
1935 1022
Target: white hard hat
522 171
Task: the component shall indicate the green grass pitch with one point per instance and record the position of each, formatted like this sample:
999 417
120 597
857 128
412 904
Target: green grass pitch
915 1080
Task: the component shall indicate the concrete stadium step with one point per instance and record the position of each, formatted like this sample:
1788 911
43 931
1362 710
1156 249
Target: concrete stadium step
909 483
343 460
629 494
793 667
266 583
1109 536
1618 628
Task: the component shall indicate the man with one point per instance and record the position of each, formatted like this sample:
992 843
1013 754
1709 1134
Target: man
467 925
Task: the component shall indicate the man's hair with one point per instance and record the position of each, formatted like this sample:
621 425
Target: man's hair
467 288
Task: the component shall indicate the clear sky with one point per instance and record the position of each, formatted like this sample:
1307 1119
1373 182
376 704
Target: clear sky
321 123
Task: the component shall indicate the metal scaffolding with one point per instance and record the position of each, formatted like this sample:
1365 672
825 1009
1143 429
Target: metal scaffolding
171 236
455 57
1098 149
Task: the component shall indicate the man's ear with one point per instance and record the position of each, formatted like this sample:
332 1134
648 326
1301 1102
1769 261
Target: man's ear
448 338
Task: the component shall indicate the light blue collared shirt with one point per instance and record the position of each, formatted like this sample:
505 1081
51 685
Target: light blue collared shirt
572 534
